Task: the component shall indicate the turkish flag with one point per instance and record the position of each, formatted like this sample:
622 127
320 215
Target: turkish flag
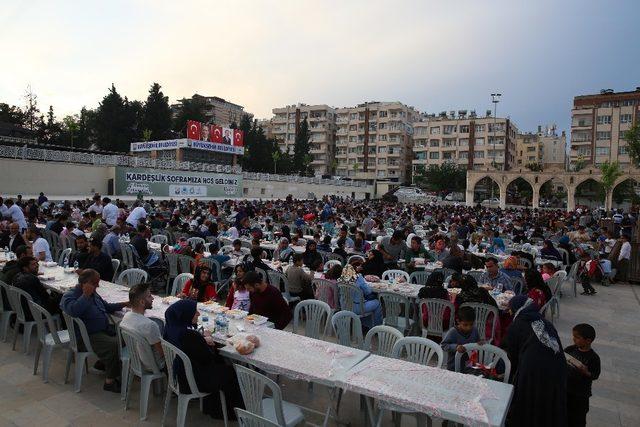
216 134
238 138
193 129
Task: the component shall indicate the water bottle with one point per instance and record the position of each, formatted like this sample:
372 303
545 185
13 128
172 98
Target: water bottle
222 325
76 265
66 263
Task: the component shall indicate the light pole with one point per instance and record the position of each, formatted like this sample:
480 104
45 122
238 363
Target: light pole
495 98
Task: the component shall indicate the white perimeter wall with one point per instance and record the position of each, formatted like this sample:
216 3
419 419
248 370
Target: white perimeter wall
74 181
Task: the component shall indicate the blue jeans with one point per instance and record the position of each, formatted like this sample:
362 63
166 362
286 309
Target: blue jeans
371 306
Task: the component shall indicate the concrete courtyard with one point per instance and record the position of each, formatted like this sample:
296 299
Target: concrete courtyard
615 313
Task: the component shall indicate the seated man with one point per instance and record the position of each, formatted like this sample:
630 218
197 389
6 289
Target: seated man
84 303
11 269
140 299
299 280
82 251
13 238
39 246
266 300
111 242
98 261
494 277
27 280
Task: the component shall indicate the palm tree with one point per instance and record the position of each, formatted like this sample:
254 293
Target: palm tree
610 173
276 157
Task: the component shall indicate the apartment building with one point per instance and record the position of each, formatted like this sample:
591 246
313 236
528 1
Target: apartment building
465 139
598 123
217 110
373 141
545 147
285 125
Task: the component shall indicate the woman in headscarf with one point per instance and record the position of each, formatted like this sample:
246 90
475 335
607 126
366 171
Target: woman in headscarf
470 292
209 368
286 232
200 288
311 256
549 251
538 368
537 289
510 267
433 287
374 265
283 252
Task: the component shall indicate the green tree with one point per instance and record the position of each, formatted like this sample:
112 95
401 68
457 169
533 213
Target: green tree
32 117
276 156
534 167
301 148
50 132
157 114
86 129
117 122
445 177
11 114
190 109
610 173
70 127
632 136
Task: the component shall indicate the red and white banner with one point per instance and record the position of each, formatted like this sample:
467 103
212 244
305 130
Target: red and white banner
213 136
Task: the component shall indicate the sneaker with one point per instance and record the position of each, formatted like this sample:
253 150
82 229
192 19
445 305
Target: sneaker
114 387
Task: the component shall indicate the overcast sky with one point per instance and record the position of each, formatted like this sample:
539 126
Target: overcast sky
433 55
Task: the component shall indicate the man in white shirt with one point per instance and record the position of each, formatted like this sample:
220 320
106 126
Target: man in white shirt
136 215
109 212
4 210
96 206
16 214
40 246
140 299
623 259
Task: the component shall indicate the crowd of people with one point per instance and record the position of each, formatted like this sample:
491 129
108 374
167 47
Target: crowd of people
370 235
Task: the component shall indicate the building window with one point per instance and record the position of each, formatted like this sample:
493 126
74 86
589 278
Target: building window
463 155
606 104
584 151
478 154
435 130
602 151
604 120
449 142
463 142
479 141
625 118
603 135
479 128
434 155
464 128
449 129
622 150
434 143
531 149
628 103
382 114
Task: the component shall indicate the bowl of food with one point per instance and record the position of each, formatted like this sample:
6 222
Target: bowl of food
256 319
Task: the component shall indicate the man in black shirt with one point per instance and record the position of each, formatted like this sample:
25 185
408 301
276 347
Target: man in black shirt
581 374
13 239
58 226
27 280
82 251
140 242
98 261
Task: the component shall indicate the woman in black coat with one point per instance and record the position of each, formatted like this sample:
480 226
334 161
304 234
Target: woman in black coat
209 368
538 368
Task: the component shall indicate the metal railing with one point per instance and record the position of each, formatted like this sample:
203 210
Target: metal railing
46 155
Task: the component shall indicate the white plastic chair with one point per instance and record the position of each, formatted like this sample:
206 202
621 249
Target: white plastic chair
247 419
349 296
5 315
483 312
125 361
185 262
193 241
159 238
386 339
325 291
317 315
358 257
347 328
172 352
179 282
392 275
132 276
253 385
74 352
115 263
64 255
15 298
147 374
49 338
329 264
276 278
396 311
172 263
488 355
435 309
419 277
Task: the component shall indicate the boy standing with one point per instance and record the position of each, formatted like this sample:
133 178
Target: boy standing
463 333
585 367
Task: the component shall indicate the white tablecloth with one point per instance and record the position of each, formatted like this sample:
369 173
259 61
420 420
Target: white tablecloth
437 392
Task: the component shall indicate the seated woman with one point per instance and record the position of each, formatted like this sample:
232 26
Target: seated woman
433 288
238 297
311 256
299 280
360 244
549 251
548 270
537 289
211 372
198 254
339 250
374 265
371 304
510 267
332 275
470 292
283 252
200 288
